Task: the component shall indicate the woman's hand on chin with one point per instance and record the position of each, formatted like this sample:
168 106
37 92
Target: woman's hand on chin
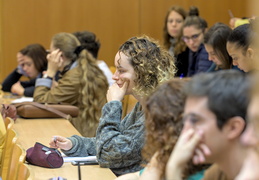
116 93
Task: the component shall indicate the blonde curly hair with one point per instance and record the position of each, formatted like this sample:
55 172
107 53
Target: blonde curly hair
151 63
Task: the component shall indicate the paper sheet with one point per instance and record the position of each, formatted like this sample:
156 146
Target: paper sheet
23 99
88 158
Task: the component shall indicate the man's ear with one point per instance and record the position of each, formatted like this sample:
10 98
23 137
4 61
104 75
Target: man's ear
250 53
234 127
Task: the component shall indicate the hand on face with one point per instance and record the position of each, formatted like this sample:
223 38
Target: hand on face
55 61
189 142
116 93
60 142
21 62
20 58
17 89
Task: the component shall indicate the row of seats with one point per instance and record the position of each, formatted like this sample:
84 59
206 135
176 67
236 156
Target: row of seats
13 165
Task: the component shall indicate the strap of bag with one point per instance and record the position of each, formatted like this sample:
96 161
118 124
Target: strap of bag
43 106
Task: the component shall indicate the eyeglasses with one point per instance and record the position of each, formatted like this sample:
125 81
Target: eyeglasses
193 37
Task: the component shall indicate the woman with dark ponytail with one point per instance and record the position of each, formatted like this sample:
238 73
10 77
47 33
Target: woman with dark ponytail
81 82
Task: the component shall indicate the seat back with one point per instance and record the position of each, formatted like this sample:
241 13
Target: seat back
24 172
10 140
128 104
8 121
18 155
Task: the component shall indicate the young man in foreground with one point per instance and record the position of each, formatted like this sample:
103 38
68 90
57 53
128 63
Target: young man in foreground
214 119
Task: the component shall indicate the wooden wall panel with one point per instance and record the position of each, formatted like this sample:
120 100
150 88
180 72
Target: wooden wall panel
153 12
36 21
114 21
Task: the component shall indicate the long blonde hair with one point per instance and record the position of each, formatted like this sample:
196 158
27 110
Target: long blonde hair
93 83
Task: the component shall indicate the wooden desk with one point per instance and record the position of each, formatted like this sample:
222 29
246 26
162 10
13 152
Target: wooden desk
41 130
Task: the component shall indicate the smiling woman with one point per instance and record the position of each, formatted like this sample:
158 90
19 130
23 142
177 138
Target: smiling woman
141 65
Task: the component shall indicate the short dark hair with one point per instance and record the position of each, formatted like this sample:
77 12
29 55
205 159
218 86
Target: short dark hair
227 92
38 54
88 39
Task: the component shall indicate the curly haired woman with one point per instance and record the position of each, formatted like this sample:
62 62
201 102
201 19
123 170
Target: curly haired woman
141 65
81 83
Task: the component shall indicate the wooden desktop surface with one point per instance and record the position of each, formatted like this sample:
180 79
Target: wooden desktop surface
41 130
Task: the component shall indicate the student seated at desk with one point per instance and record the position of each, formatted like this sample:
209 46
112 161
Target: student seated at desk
141 65
240 47
172 34
214 120
215 41
194 28
32 62
81 82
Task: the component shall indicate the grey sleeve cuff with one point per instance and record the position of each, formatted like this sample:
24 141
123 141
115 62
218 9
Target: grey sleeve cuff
43 82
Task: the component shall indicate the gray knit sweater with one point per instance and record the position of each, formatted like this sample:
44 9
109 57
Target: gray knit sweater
118 143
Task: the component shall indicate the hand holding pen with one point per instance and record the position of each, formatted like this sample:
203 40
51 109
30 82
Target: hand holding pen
60 142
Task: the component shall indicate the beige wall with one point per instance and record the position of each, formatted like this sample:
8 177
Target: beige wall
35 21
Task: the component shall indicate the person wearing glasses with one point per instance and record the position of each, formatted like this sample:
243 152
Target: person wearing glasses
194 28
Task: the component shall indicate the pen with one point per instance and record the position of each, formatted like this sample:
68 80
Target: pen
230 13
55 139
181 76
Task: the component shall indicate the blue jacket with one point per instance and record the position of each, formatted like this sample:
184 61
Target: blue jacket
198 61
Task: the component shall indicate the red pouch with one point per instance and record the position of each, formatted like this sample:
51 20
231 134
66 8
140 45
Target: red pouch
44 156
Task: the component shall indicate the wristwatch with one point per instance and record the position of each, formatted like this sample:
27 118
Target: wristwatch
47 77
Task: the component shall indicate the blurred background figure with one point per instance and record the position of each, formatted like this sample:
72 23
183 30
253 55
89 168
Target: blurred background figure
92 45
215 41
194 28
173 38
81 82
240 47
32 61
